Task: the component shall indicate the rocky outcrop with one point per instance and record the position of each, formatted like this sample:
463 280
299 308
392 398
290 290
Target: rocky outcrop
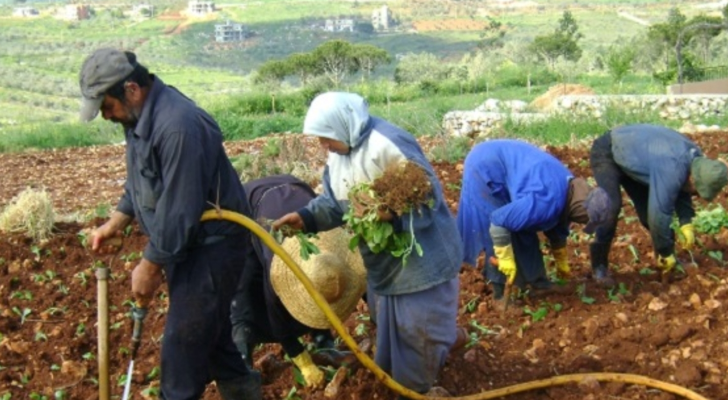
491 114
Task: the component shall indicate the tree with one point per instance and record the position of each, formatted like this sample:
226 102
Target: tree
706 29
619 61
492 36
335 60
563 42
666 34
422 67
303 65
273 71
368 57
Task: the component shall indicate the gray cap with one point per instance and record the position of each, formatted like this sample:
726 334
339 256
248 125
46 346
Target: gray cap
101 70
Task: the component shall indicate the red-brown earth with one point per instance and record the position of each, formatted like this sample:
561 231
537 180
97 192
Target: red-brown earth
674 332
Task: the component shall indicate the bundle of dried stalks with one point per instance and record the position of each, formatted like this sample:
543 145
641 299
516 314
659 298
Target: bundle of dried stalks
31 213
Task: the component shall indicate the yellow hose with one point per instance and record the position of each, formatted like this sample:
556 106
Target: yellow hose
394 385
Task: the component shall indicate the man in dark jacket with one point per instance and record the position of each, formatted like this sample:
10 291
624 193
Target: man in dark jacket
660 170
258 314
176 170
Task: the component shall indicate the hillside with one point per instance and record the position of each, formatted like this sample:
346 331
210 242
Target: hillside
41 54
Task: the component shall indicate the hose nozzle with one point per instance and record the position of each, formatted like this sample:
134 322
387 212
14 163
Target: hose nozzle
138 314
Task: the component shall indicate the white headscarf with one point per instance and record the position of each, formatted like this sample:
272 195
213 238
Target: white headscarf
338 116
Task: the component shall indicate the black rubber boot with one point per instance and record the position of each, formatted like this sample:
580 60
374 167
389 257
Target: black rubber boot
599 253
247 387
498 290
323 339
241 338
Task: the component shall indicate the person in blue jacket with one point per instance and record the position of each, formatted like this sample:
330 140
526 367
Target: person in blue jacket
511 191
660 169
414 306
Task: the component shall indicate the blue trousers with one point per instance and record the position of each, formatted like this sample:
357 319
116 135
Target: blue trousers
529 259
415 332
197 346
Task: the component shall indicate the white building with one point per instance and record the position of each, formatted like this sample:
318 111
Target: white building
339 25
199 7
382 18
25 12
74 12
229 32
142 11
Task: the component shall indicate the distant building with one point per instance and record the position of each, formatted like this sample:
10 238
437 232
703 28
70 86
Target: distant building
229 32
74 12
199 7
382 18
142 11
25 12
339 25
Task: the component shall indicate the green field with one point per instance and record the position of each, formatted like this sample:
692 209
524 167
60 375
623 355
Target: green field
40 57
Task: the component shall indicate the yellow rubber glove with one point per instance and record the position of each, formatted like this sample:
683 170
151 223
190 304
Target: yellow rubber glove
562 262
311 374
506 261
666 263
688 236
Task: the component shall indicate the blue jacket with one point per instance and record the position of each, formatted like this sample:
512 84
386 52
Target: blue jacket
176 167
514 185
660 158
372 149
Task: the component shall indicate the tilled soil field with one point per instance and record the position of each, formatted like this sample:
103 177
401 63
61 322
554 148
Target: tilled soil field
674 331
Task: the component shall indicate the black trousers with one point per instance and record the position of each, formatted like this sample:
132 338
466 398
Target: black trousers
611 178
197 346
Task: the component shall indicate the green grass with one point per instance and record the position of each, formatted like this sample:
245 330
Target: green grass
48 136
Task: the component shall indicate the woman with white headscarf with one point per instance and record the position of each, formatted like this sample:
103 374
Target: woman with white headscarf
414 307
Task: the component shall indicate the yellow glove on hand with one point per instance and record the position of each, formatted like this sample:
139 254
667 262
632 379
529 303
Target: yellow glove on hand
506 261
562 262
688 236
666 263
311 374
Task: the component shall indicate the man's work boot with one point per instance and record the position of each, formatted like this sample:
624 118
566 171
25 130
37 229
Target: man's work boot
246 387
500 302
462 338
599 253
544 287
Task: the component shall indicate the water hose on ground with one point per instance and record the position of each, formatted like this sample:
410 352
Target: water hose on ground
394 385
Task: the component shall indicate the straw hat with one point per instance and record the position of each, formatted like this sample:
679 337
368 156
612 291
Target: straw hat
337 273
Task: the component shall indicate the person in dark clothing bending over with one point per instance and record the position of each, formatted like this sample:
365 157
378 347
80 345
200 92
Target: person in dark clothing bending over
660 169
176 170
258 314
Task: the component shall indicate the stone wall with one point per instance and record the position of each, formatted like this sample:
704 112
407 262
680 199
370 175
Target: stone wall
491 114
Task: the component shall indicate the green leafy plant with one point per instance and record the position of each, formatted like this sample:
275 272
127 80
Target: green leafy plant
472 304
537 315
647 271
23 314
151 392
40 336
710 221
379 235
635 254
153 374
581 292
308 248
